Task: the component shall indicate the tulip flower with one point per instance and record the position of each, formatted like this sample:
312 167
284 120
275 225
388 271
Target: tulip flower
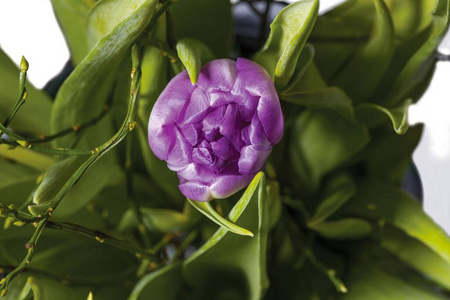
218 133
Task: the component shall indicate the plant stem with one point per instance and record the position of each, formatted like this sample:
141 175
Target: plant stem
30 246
103 238
74 129
58 151
22 92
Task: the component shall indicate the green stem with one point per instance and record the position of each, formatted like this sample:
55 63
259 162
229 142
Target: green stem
22 92
58 151
30 246
74 129
103 238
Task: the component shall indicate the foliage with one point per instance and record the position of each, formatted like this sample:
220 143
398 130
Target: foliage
326 220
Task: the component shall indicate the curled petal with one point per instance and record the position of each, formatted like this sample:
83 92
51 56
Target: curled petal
196 108
181 153
218 75
193 171
192 133
257 134
196 191
252 160
225 186
224 149
252 78
271 117
161 139
230 126
172 100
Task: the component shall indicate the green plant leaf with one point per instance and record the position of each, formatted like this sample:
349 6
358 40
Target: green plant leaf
231 265
57 175
335 194
388 155
304 61
417 255
26 157
83 95
193 54
330 98
274 203
106 15
164 284
211 24
369 113
162 220
343 230
155 68
45 289
288 35
72 16
206 209
421 65
363 73
34 114
322 140
369 282
382 202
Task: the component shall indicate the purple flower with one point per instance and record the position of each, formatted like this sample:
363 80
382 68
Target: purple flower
218 133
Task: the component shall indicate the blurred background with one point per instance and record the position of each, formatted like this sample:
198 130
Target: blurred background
29 28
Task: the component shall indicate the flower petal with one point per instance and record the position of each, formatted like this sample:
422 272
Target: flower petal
195 172
224 149
192 133
257 134
252 160
161 139
181 154
172 100
217 75
196 191
252 78
226 186
271 117
230 126
197 107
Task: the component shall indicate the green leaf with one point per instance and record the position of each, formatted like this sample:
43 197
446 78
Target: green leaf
388 155
206 209
369 282
34 114
335 194
233 266
323 140
154 79
330 98
274 203
164 284
211 24
106 15
193 54
26 157
417 255
381 202
72 16
364 72
422 63
83 95
411 16
162 220
82 193
288 35
304 61
343 230
369 113
45 289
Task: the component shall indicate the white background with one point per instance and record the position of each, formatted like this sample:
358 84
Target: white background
28 27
